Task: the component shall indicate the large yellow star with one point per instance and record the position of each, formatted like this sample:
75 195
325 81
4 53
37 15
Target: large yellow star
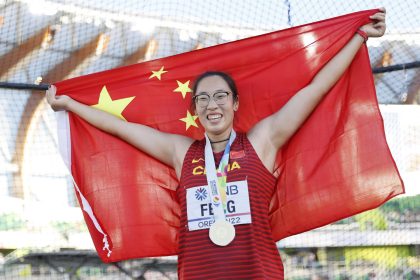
158 73
183 88
114 107
189 120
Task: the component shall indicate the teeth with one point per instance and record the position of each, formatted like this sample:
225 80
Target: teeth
213 117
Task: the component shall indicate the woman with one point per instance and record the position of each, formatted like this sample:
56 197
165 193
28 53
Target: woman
236 181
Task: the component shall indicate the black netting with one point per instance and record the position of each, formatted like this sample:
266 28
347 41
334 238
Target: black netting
47 41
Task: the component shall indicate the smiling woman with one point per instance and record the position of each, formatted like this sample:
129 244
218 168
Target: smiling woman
216 99
225 209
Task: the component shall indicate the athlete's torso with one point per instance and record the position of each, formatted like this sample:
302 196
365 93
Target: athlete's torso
253 253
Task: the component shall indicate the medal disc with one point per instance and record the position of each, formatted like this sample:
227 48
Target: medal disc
222 233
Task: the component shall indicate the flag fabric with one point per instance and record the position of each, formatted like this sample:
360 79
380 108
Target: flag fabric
337 164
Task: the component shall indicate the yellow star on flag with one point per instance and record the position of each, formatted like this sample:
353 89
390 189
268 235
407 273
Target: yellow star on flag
189 120
158 74
183 88
114 107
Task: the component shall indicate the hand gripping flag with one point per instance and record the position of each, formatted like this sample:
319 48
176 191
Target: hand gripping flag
337 164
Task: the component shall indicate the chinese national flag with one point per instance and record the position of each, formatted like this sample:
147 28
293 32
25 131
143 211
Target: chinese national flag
338 163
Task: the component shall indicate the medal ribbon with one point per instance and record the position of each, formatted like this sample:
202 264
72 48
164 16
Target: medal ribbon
216 179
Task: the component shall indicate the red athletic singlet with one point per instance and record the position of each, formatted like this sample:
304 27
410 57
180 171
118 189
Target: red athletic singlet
253 253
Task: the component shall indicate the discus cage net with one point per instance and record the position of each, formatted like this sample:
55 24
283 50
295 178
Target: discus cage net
42 232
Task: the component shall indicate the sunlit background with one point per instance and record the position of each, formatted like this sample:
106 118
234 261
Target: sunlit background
42 232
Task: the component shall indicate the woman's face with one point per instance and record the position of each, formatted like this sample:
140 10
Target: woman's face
217 119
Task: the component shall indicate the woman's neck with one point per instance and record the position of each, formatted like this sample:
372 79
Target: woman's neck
219 142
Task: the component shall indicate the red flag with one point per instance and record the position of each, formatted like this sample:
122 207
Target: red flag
337 164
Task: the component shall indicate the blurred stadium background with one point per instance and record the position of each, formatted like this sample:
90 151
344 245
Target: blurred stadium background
42 232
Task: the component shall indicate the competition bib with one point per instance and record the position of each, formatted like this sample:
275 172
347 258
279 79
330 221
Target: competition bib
200 212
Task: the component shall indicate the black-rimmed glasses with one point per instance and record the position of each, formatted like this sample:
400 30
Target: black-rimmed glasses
203 99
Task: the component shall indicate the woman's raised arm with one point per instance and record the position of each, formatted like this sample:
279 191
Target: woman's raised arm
272 132
168 148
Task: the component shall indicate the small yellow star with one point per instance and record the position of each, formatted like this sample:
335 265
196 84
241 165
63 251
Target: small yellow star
158 74
189 120
183 88
114 107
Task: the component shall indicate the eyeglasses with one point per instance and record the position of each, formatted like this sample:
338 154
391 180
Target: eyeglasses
203 99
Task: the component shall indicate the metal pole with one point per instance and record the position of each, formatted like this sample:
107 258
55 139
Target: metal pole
377 70
24 86
396 67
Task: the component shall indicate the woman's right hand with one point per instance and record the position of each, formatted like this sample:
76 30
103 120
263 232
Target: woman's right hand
58 103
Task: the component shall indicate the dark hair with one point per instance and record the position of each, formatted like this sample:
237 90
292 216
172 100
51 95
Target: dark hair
226 77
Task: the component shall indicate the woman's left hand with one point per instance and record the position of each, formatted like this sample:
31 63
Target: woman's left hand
378 26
